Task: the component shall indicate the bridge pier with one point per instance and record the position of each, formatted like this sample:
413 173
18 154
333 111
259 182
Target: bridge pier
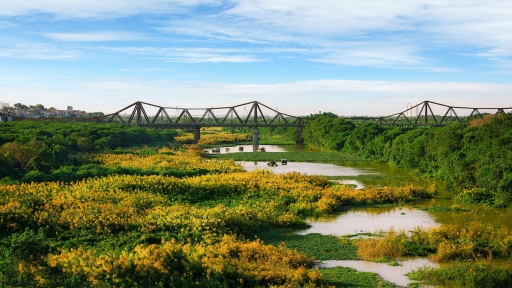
255 139
299 139
197 134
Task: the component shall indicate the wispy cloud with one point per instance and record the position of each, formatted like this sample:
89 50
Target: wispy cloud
143 70
189 55
98 9
225 29
375 54
406 30
5 24
478 26
99 36
36 51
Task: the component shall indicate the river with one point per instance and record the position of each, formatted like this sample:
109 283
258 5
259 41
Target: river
370 219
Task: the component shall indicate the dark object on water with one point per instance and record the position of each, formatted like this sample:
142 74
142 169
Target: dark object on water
272 163
284 161
240 148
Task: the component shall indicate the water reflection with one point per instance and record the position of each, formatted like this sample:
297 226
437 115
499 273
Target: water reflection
393 274
309 168
268 148
368 219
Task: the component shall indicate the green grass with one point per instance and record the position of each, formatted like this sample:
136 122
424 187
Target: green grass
321 247
444 209
291 156
349 277
470 275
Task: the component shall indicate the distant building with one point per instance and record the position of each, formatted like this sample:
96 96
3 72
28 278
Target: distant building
410 110
2 104
69 112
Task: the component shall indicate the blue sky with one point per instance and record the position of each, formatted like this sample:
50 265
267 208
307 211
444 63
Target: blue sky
348 57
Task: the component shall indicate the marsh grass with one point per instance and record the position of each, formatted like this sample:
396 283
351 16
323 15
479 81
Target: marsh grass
321 247
453 242
349 277
453 208
393 245
464 274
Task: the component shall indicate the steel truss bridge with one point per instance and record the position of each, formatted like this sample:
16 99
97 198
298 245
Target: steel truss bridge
251 114
255 114
423 114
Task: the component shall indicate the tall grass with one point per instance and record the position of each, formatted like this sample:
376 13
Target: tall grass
467 275
453 242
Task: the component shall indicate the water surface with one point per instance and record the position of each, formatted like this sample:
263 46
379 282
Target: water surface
395 274
370 220
309 168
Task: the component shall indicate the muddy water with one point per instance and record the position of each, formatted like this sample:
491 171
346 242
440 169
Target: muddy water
372 220
310 168
395 274
268 148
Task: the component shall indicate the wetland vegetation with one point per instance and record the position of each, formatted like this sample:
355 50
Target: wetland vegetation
85 205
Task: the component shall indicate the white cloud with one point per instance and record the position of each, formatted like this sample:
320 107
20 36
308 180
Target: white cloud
478 28
427 25
375 54
98 36
226 29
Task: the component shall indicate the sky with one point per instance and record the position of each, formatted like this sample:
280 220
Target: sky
348 57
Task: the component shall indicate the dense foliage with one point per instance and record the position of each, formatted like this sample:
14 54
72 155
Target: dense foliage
154 230
46 146
474 159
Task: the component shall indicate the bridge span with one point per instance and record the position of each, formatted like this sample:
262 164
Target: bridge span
255 114
251 114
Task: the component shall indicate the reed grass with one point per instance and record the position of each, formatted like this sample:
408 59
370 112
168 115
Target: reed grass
452 242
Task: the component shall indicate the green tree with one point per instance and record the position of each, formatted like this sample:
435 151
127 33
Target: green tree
21 154
20 106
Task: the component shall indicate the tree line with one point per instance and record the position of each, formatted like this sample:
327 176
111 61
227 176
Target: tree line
45 146
475 156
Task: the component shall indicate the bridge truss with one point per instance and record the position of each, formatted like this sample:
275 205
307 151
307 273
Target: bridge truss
251 114
427 113
255 114
4 117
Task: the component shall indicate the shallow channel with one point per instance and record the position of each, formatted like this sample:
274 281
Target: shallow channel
355 220
395 274
310 168
370 220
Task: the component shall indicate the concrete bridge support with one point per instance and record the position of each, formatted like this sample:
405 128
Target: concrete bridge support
299 139
255 139
197 134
